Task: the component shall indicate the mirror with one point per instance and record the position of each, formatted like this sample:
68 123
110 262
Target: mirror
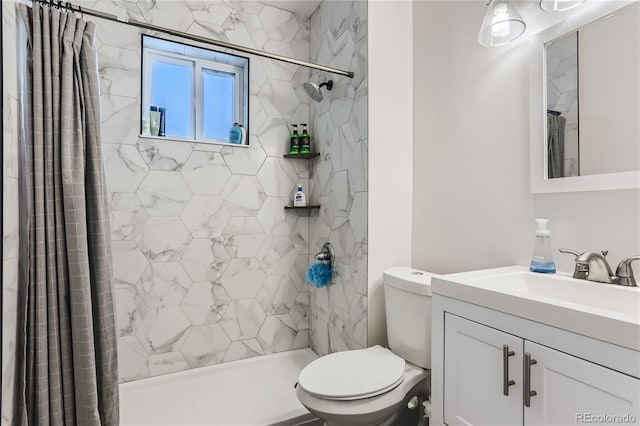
589 91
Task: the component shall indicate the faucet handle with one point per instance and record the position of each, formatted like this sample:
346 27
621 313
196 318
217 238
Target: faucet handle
570 251
624 272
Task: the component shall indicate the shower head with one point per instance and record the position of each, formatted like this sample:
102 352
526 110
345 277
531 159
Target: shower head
313 89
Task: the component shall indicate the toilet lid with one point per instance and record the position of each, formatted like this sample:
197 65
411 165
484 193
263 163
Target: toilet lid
354 374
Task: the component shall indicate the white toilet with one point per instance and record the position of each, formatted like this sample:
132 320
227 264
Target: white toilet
378 386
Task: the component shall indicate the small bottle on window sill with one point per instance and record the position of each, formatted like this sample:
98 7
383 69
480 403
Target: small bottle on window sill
235 134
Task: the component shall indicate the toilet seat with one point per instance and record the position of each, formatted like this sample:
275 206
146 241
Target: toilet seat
347 375
367 411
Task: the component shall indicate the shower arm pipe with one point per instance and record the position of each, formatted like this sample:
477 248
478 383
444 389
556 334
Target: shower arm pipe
193 37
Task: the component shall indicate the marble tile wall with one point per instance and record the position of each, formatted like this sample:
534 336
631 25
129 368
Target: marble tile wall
10 216
209 267
338 312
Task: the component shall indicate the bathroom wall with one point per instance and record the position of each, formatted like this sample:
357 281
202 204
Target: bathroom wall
10 216
390 151
338 312
472 205
209 267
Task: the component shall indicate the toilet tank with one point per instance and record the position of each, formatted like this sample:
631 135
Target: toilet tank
407 295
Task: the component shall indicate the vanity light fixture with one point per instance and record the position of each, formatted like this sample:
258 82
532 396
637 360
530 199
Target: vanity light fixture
559 5
502 23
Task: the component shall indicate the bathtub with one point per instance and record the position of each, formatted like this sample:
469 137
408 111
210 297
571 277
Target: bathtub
251 392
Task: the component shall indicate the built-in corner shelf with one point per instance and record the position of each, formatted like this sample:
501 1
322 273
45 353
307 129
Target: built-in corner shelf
303 156
306 156
302 208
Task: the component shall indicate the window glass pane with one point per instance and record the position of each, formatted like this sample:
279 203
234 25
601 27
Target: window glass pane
217 104
192 93
172 90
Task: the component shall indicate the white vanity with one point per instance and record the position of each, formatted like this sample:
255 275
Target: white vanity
512 347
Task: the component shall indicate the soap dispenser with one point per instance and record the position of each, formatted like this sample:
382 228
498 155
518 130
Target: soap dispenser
542 260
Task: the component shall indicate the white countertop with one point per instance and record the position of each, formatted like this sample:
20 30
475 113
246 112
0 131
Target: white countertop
607 312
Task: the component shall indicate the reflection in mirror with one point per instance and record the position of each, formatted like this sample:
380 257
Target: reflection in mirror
593 97
562 107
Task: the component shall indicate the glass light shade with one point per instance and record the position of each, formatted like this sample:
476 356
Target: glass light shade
559 5
502 24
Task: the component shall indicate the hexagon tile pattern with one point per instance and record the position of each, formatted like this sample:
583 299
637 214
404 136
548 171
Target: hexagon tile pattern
338 316
209 267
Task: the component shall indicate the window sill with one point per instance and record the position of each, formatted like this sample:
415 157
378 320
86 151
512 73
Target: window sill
208 142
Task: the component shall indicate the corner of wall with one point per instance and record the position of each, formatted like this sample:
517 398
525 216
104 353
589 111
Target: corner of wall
390 149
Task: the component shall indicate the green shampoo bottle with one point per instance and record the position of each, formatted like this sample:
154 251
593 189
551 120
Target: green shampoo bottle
305 141
294 147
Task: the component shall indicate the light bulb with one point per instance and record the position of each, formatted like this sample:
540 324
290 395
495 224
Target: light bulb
500 23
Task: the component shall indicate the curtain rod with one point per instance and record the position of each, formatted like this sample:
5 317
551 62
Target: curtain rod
193 37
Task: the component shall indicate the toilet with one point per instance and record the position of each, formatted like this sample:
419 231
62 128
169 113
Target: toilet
378 386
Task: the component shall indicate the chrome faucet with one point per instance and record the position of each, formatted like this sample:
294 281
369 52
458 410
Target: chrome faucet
594 267
624 272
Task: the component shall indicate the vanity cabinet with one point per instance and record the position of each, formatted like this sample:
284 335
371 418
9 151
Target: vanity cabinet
569 388
492 377
475 374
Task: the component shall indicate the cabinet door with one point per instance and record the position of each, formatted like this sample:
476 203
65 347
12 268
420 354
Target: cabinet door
474 375
570 390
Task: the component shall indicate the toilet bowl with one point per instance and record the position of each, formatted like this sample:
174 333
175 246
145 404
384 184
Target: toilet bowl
365 387
378 386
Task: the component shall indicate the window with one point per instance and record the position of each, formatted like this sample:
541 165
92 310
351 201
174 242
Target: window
192 93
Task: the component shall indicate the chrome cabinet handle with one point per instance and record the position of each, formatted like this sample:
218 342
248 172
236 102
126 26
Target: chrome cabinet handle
506 353
528 393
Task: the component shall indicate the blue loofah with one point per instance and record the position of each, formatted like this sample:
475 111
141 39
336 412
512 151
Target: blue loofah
319 274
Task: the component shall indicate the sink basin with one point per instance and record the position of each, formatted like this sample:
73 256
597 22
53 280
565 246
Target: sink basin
616 300
603 311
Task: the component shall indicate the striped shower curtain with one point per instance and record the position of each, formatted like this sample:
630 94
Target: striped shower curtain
555 145
69 366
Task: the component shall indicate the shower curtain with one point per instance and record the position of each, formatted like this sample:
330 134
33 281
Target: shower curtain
555 145
69 364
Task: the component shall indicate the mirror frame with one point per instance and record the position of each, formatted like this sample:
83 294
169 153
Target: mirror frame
540 183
